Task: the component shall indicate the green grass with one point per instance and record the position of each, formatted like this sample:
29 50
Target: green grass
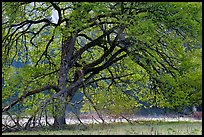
142 128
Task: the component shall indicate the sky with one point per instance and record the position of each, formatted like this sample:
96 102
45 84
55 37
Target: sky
54 16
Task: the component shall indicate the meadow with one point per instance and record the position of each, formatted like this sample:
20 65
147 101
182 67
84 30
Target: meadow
136 128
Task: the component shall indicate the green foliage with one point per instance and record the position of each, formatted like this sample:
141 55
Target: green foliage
162 66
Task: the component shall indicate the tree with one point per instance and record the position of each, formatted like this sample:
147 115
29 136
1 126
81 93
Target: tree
103 50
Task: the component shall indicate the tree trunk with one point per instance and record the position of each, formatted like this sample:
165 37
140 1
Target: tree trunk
60 112
61 103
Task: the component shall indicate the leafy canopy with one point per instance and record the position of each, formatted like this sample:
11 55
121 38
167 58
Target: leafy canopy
157 60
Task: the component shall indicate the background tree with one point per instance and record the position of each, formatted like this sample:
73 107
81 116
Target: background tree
103 50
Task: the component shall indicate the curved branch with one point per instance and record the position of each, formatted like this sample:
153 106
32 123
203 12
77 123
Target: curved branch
37 33
46 48
84 35
101 59
92 103
8 38
44 75
111 60
96 41
105 78
6 108
45 20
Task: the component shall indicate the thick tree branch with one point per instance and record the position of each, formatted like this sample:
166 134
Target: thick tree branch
107 52
101 59
6 108
97 41
110 61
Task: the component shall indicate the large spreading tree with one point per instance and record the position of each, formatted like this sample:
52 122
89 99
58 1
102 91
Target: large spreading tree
118 54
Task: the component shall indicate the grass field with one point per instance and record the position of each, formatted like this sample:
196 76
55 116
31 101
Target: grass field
142 128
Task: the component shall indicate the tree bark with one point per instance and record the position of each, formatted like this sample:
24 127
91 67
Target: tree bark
59 114
61 103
